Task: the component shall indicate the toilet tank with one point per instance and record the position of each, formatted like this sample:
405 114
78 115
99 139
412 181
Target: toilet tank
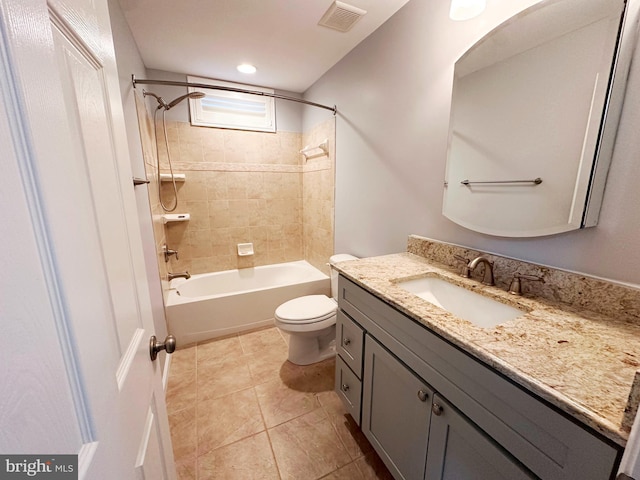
333 259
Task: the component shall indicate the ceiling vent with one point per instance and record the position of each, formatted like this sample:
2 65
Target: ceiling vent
341 16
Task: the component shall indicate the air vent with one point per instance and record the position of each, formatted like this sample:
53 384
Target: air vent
341 16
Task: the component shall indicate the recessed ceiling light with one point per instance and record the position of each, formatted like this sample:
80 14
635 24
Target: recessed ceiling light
246 68
466 9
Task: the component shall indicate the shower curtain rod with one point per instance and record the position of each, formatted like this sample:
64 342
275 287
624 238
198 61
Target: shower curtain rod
136 81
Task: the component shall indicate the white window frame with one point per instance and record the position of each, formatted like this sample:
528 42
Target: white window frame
239 114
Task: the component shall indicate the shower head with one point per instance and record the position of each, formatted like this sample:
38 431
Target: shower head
173 103
161 102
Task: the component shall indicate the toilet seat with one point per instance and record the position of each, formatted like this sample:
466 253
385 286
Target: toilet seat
306 310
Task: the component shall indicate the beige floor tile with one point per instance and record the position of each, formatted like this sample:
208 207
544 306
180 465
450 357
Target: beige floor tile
261 340
186 469
307 447
183 359
218 379
265 365
279 403
372 468
316 378
352 437
348 472
228 419
181 389
183 434
218 350
247 459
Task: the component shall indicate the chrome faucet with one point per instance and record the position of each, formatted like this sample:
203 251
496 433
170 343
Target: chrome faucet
487 279
178 275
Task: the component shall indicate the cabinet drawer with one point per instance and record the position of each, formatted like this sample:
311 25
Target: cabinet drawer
349 337
549 443
349 389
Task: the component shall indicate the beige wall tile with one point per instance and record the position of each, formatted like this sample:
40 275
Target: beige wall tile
229 204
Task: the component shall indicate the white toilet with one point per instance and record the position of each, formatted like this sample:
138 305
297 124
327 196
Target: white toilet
311 322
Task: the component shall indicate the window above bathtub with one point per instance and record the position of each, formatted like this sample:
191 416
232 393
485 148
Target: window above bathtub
225 109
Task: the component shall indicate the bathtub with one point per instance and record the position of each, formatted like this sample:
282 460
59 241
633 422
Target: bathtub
211 305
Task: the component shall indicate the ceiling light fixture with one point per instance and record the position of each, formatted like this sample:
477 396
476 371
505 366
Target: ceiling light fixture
466 9
246 68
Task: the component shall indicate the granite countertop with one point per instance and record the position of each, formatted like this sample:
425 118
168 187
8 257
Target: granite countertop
581 361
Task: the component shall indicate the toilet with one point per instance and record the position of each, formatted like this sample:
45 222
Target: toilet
311 322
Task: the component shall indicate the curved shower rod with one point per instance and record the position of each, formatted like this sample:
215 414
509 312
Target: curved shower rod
136 81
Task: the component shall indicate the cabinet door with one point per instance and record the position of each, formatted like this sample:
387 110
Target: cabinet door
396 408
458 450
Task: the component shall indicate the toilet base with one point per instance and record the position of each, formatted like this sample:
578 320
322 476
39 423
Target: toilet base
306 348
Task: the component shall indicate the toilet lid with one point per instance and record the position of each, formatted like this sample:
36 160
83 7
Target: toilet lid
308 309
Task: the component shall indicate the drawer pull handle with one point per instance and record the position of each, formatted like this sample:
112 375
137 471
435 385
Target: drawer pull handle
436 409
346 342
422 395
345 387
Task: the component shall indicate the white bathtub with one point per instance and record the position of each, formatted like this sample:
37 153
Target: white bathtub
210 305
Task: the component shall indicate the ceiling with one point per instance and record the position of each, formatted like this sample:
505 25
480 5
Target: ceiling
282 38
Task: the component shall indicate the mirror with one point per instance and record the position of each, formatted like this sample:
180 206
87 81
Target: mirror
535 107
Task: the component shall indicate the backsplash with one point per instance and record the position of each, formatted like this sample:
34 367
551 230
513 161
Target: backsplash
572 290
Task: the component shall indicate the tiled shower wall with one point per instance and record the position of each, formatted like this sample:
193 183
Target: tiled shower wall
145 123
318 189
244 187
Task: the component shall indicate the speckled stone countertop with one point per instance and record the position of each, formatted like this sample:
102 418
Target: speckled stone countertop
584 362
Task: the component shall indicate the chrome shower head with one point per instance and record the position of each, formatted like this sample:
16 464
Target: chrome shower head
161 102
173 103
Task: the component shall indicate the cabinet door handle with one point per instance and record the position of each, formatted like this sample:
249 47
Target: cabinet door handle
436 409
422 395
345 387
346 342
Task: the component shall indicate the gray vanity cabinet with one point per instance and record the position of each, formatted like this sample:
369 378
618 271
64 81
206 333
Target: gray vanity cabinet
396 409
458 450
413 428
432 411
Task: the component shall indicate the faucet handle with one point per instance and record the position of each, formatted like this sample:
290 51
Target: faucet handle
168 252
464 271
515 287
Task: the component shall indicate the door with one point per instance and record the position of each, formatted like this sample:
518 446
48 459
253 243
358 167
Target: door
395 412
75 304
458 450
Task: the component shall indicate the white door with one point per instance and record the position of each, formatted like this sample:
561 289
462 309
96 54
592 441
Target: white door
74 300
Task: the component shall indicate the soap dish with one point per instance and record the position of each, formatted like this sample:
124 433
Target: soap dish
175 217
245 249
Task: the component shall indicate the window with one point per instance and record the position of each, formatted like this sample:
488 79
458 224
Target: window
224 109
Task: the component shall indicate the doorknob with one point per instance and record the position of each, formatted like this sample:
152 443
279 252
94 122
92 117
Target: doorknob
155 346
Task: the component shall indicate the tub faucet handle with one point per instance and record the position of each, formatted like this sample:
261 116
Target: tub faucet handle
168 252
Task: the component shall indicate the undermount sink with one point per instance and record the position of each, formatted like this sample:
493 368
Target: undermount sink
477 309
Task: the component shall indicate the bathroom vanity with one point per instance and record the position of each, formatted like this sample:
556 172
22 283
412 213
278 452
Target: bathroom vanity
539 396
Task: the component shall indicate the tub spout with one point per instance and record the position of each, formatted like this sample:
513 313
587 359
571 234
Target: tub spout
178 275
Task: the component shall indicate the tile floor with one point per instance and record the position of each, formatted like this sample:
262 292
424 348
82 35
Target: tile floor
238 410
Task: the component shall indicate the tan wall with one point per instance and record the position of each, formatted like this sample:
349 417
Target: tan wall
242 187
318 188
147 139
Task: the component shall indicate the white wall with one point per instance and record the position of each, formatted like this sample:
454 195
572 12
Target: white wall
288 113
393 96
129 62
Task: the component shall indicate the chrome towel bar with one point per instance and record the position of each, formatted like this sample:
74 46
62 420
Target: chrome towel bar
535 181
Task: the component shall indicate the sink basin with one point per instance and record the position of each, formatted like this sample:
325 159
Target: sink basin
477 309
